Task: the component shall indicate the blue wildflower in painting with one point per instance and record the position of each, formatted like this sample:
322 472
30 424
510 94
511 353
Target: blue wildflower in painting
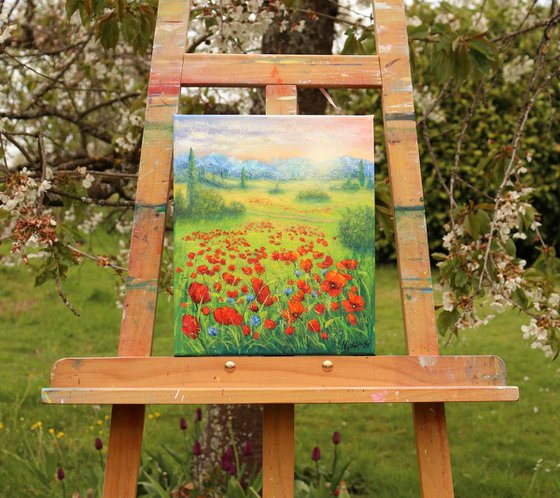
213 331
255 320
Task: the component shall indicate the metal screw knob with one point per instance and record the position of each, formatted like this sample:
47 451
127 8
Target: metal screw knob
230 366
327 365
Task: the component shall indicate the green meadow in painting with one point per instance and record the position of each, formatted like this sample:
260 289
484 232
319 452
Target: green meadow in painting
274 235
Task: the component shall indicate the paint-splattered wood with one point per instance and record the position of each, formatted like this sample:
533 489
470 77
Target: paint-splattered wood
261 372
273 396
153 179
279 420
127 422
304 71
410 235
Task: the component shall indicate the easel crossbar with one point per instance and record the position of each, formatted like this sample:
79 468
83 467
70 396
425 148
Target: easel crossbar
304 71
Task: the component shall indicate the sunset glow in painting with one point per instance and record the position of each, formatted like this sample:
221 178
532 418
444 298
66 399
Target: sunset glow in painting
274 235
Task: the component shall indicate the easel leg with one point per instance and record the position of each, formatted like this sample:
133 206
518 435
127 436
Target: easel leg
278 451
123 455
432 447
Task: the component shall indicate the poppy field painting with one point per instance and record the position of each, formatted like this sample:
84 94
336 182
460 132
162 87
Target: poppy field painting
274 235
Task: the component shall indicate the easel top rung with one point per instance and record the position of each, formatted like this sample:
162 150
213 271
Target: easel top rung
304 71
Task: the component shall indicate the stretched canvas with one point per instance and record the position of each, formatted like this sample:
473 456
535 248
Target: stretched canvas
274 235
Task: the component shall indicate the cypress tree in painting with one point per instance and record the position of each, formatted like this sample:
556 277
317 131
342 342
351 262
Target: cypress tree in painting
243 178
191 179
361 174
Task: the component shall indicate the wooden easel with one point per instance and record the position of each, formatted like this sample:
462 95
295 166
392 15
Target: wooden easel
134 379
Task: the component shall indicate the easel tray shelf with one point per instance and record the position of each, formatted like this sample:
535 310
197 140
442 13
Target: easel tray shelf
314 379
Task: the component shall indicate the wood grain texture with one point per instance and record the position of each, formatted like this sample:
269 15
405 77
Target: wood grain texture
258 372
278 451
277 395
127 422
279 420
303 71
125 443
273 380
411 235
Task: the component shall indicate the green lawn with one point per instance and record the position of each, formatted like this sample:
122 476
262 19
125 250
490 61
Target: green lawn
495 447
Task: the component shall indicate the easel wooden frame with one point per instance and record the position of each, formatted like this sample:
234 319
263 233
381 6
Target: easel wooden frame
134 379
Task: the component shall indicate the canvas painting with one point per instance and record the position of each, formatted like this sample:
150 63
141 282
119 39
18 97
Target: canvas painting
274 235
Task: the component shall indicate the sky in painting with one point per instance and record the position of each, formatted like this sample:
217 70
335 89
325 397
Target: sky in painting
264 138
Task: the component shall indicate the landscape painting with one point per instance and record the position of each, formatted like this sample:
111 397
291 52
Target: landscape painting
274 235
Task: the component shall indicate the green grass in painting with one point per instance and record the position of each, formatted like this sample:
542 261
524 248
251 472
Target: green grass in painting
495 447
268 269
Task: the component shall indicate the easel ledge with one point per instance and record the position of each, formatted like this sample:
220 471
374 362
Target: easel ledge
312 379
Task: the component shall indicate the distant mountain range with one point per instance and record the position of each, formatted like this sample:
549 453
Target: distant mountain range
278 169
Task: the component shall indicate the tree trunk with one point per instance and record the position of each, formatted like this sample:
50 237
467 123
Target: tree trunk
316 38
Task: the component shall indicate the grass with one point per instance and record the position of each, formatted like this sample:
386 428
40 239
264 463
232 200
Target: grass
495 447
293 241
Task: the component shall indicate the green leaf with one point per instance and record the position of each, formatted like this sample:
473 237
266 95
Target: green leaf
520 298
446 320
109 31
510 248
154 486
72 6
129 27
235 490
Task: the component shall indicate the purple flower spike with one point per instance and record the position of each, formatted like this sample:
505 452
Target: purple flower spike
98 444
196 449
229 453
60 474
247 449
336 438
183 424
198 414
226 463
316 454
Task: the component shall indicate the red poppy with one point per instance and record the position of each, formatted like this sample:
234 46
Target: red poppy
183 305
205 310
333 283
306 265
335 306
245 289
289 330
259 268
233 294
179 269
319 308
191 326
353 303
304 286
269 324
352 319
247 270
294 311
325 264
262 292
256 335
314 325
228 316
191 255
254 307
199 293
218 286
347 264
246 330
324 335
230 279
